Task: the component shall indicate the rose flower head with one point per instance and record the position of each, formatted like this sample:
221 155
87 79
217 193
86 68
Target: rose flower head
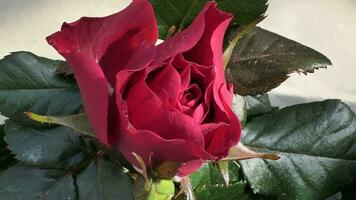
167 102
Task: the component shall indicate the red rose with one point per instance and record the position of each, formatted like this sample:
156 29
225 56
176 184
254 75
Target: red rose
168 102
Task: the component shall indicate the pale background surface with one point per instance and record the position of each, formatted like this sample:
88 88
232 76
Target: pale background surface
326 25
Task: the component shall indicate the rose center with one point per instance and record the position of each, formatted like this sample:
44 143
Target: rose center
192 97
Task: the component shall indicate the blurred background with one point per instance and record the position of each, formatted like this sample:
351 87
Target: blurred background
326 25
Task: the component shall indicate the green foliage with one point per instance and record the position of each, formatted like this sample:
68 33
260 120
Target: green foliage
256 105
55 162
239 107
78 122
25 182
181 13
262 60
46 147
317 144
224 171
101 180
104 180
246 107
28 84
349 192
208 183
6 158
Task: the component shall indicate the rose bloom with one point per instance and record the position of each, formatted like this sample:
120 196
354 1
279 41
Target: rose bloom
166 102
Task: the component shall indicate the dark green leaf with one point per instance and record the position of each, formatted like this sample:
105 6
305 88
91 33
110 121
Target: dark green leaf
349 192
209 174
262 60
29 83
6 158
23 182
256 105
78 122
239 108
64 69
46 147
244 11
317 143
231 192
248 106
181 13
337 196
208 184
104 180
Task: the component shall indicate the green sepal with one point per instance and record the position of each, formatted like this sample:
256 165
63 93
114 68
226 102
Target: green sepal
78 122
153 190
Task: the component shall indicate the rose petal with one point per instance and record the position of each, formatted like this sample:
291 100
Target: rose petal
109 40
202 75
233 119
190 167
154 149
127 52
94 90
147 112
142 56
193 96
208 50
220 137
166 80
217 138
198 113
149 145
183 67
184 40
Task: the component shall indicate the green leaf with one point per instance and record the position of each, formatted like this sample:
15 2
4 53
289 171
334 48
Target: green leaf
239 108
256 105
78 122
231 40
24 182
224 171
104 180
28 83
244 11
64 69
180 14
349 192
231 192
316 142
337 196
94 178
262 60
246 107
45 147
209 174
208 183
6 158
